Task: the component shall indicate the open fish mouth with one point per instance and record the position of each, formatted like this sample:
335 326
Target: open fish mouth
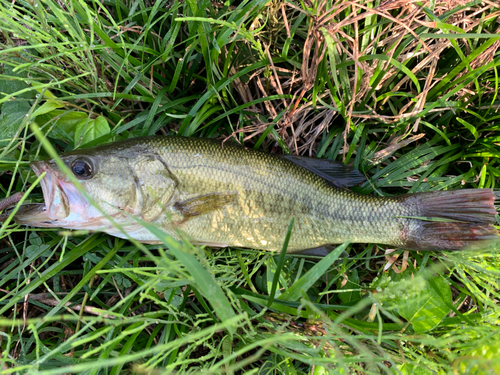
64 204
57 205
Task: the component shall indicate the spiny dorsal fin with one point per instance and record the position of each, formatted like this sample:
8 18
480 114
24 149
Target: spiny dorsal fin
335 172
203 204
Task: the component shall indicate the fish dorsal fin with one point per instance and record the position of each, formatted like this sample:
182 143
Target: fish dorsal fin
335 172
203 204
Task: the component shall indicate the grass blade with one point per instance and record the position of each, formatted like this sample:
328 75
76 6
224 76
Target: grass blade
310 277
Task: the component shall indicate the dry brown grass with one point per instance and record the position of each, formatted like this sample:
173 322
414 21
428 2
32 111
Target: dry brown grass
302 120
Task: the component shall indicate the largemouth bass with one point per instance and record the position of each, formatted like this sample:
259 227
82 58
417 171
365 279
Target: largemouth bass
232 196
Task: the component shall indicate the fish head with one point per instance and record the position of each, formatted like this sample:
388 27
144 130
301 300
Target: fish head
103 178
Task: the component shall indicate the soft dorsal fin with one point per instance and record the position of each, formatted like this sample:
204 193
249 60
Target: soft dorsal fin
335 172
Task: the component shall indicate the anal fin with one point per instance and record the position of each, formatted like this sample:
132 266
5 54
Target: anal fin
320 252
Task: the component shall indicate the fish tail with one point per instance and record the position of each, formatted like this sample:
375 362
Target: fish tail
452 220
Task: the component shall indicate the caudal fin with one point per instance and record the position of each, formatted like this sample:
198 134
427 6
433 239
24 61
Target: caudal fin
453 220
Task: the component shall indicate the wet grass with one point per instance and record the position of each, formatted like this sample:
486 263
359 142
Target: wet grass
405 91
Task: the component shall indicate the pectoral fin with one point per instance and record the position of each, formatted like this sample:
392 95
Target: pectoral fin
335 172
203 204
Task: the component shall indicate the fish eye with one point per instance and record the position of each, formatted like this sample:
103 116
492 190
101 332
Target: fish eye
82 168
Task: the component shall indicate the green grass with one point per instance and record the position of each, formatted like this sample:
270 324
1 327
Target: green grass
408 95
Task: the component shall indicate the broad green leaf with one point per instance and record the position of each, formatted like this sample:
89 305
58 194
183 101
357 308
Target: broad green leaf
12 82
35 239
428 308
13 111
62 123
37 250
87 130
12 115
47 107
